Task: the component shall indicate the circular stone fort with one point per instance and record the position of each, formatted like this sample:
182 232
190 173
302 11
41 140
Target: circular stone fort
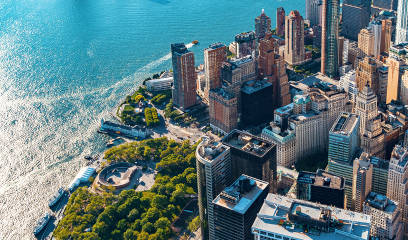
117 175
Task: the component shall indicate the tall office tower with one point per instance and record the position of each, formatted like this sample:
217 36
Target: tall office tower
256 93
348 84
184 75
402 22
397 184
253 156
280 133
376 28
366 41
344 137
262 25
213 175
404 88
385 217
383 82
223 108
373 138
367 75
246 44
330 34
280 218
366 107
320 187
341 50
386 35
294 39
214 56
362 177
272 67
386 4
236 208
356 15
314 12
394 78
280 21
380 172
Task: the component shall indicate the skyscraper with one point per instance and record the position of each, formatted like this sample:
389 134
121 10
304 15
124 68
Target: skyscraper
280 21
330 34
402 22
214 56
262 25
394 78
366 41
376 28
246 44
362 177
184 75
367 74
386 35
344 137
314 12
356 15
213 175
366 106
294 39
223 109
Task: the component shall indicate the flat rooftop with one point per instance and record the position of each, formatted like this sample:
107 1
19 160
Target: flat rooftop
345 124
248 143
232 199
400 153
210 149
274 218
321 179
254 86
380 202
223 93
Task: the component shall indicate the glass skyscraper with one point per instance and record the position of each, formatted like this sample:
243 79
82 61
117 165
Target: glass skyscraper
330 35
402 22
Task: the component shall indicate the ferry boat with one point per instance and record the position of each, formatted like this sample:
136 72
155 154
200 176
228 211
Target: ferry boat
195 42
42 223
55 199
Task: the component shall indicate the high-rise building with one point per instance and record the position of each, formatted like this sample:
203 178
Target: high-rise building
402 22
330 34
366 107
385 216
314 12
256 93
280 133
344 137
395 67
184 75
367 74
373 138
237 206
404 88
383 82
386 35
366 41
214 56
355 16
280 21
294 39
376 28
348 84
397 184
280 218
362 177
223 109
380 172
262 25
386 4
213 175
253 156
320 187
246 44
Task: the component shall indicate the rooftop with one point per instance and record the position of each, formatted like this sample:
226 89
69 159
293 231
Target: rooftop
245 36
210 149
216 45
343 224
381 202
248 143
345 124
241 194
400 153
254 86
376 161
222 92
285 110
322 179
239 61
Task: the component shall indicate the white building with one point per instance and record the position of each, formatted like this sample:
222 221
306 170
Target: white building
349 85
284 218
402 22
376 28
159 84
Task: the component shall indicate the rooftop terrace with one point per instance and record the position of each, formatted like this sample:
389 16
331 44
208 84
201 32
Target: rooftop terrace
210 149
345 124
241 194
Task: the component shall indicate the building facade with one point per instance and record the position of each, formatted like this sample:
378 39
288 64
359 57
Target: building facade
402 22
366 41
356 15
223 109
262 25
330 34
214 56
294 39
314 12
280 21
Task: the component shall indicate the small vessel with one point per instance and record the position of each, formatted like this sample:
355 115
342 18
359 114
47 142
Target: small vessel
195 42
88 157
41 224
55 199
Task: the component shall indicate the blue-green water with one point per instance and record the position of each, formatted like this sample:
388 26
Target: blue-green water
65 64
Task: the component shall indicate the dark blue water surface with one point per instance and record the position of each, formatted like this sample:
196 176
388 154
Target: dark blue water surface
65 64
